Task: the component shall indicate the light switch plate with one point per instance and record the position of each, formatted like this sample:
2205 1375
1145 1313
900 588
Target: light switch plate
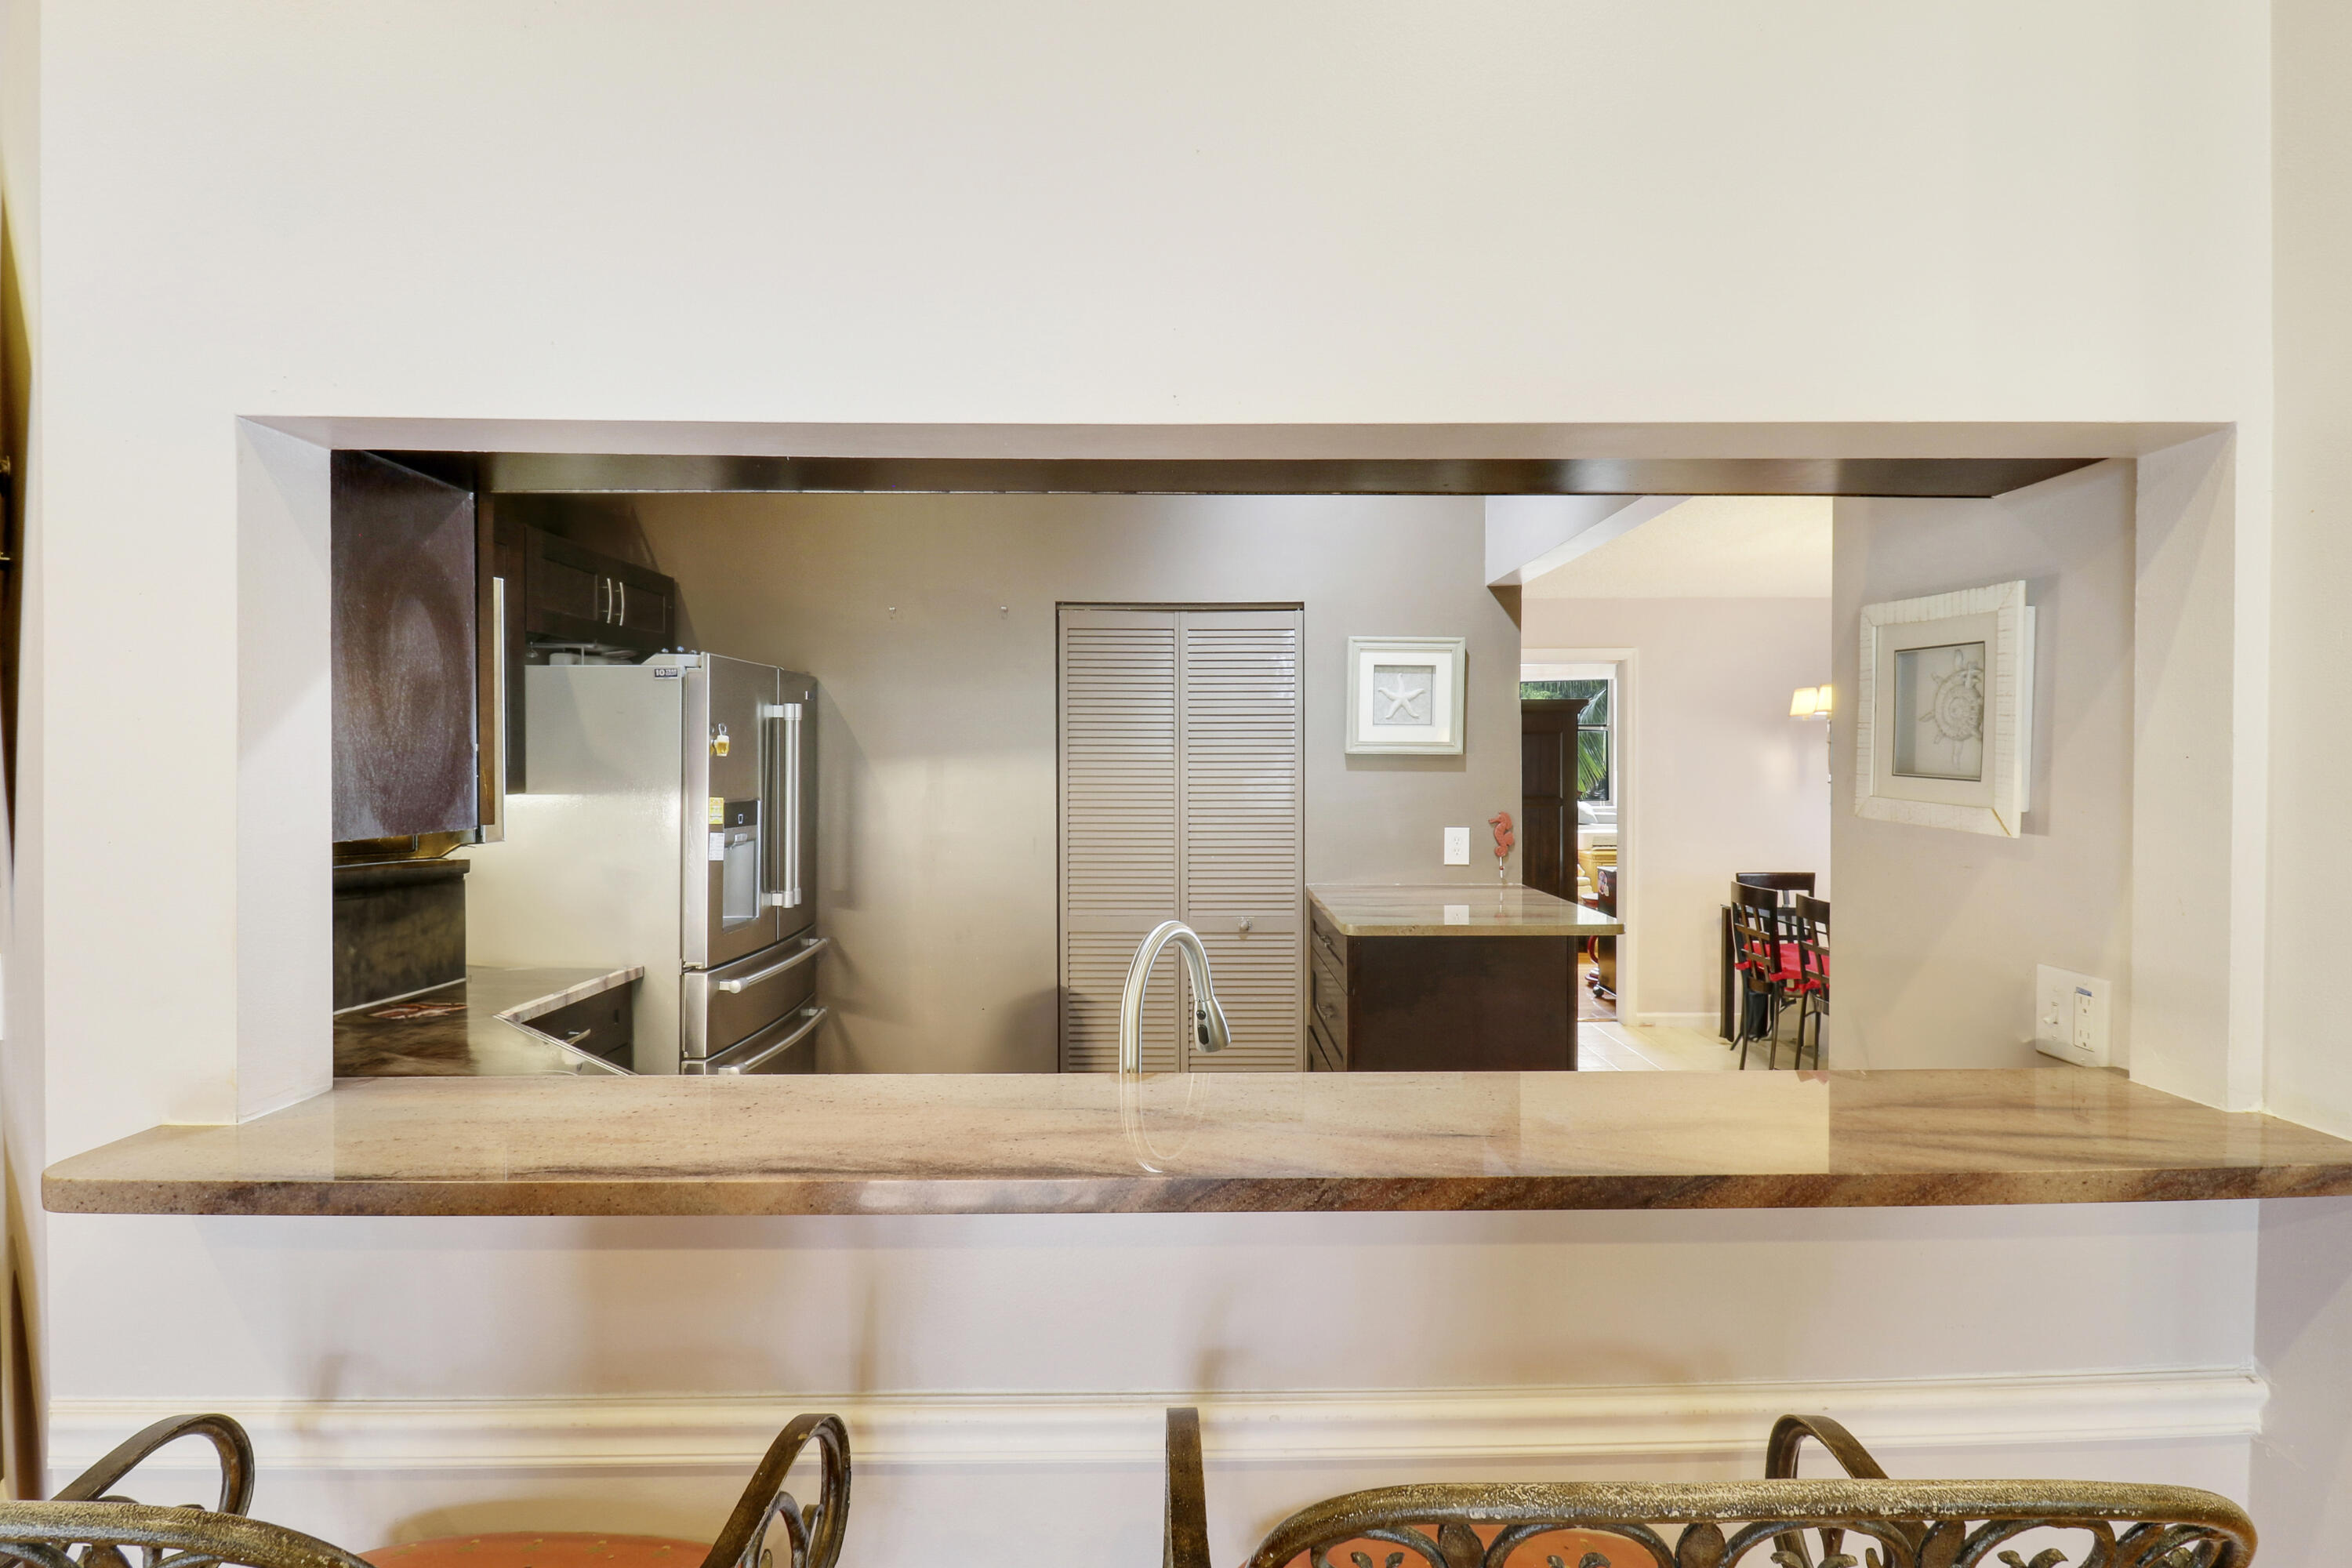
1457 846
2071 1015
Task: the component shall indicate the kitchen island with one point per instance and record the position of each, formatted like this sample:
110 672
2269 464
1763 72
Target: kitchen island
495 1022
1445 978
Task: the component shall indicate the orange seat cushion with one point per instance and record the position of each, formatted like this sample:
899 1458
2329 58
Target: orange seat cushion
542 1549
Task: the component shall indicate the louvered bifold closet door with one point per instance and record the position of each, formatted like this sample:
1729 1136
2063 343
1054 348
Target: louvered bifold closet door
1242 818
1120 832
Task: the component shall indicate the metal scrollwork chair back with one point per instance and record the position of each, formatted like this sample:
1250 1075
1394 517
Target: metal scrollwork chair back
89 1524
1862 1520
815 1529
230 1445
105 1534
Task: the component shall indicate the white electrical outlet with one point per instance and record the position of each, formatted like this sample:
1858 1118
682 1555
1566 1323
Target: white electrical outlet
1457 846
2071 1014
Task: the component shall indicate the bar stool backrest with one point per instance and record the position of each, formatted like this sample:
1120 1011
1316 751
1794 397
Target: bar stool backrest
1729 1524
114 1534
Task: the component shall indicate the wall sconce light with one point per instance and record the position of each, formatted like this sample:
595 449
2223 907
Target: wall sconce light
1813 703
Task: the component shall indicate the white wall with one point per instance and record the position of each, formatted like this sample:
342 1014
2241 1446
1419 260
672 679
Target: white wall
2309 1072
1966 1342
1939 932
929 622
1674 213
1722 780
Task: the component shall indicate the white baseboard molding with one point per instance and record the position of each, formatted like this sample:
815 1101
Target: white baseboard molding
1710 1021
1461 1424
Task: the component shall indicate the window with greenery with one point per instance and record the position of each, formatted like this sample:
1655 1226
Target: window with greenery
1593 768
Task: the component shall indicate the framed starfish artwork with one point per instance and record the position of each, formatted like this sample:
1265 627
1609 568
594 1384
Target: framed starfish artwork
1944 727
1404 695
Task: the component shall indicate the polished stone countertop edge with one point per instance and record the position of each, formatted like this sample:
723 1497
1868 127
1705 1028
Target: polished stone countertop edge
684 1197
1344 905
538 1006
1276 1142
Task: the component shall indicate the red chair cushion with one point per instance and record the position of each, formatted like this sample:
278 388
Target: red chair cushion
542 1549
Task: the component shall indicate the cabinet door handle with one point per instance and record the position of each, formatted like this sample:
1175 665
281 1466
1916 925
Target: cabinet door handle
622 618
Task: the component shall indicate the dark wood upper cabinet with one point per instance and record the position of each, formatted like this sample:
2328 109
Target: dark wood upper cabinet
572 593
407 617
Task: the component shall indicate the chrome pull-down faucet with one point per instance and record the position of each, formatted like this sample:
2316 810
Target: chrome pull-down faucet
1209 1030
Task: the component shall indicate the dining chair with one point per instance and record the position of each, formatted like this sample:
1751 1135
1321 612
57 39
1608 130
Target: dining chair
1763 957
1811 917
1777 882
1725 1524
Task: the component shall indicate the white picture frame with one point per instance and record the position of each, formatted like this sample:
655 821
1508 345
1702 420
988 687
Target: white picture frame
1405 695
1926 665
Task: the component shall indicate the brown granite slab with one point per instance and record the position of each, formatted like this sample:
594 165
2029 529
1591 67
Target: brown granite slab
490 1038
1014 1143
1446 910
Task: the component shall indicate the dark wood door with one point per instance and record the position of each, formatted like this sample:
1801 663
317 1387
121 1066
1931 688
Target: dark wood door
1547 795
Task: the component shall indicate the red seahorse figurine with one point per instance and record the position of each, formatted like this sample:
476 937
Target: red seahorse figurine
1501 822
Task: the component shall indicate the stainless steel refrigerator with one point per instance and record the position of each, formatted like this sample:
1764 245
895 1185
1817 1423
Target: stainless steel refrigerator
670 823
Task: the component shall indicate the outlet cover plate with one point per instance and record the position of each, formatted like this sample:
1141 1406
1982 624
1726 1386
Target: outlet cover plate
1457 846
2072 1014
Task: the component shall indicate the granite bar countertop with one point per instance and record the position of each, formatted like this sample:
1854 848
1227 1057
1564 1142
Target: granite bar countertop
1463 910
492 1037
1083 1142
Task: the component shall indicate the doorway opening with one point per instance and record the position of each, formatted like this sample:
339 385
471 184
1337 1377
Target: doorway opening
1570 801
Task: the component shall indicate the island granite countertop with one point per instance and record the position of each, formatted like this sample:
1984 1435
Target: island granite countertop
1081 1143
1455 909
491 1037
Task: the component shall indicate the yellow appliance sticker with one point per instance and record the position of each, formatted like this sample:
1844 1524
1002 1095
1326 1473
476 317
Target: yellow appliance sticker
718 811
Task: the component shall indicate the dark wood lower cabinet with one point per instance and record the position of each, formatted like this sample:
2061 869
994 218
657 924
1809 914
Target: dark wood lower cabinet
601 1024
1441 1004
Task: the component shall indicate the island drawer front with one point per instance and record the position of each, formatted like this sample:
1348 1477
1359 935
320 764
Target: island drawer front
1328 944
601 1024
1334 975
1328 993
1322 1056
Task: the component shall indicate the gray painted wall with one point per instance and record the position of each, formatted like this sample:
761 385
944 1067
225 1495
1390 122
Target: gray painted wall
928 623
1937 931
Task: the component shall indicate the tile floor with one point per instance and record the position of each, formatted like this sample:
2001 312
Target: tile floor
1604 1047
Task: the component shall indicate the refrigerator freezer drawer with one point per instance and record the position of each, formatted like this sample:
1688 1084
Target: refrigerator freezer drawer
788 1046
719 1009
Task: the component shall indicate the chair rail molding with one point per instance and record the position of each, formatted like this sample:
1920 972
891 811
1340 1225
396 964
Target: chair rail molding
1698 1421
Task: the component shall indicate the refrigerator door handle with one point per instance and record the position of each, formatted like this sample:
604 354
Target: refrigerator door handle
783 812
810 1017
809 948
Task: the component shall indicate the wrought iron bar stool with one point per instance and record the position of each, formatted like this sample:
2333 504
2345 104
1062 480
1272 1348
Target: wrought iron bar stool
1730 1524
815 1531
88 1527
